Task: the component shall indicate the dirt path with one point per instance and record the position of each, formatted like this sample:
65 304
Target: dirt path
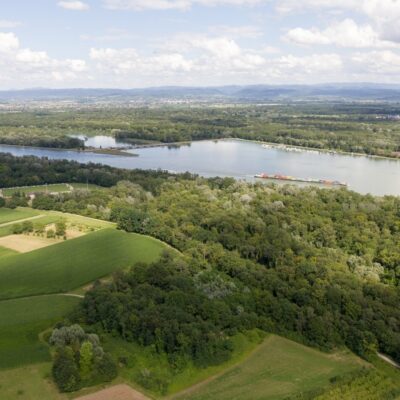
388 360
21 220
79 296
117 392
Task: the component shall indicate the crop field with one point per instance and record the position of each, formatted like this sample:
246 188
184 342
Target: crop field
7 215
74 263
22 320
277 369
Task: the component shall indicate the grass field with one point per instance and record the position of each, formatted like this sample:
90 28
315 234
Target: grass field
53 188
4 252
8 215
275 370
30 382
74 263
22 320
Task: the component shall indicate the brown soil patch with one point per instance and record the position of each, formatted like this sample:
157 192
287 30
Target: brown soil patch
26 243
118 392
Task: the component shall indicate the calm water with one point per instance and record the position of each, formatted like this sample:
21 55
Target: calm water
244 159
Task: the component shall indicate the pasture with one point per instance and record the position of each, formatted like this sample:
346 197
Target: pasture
275 370
21 321
73 263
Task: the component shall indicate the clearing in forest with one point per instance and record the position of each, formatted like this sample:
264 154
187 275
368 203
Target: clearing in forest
276 369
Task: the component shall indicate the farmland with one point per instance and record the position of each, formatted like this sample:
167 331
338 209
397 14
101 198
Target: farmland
22 320
277 369
74 263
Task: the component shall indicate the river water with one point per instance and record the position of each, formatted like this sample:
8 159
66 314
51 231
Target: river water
242 160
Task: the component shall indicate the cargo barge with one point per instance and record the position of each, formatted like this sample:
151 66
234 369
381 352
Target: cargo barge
306 180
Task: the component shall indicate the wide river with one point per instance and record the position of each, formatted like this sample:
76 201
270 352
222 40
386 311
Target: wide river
242 160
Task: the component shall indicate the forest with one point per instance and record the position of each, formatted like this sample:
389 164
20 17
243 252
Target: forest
367 128
318 266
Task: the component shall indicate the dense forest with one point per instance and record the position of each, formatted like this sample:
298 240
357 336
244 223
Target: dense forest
320 266
351 127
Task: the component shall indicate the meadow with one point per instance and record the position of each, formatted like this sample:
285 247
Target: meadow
74 263
4 252
22 320
277 369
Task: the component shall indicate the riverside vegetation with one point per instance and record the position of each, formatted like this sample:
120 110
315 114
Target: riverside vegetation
368 128
317 266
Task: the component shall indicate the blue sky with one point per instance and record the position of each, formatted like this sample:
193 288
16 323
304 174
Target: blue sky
139 43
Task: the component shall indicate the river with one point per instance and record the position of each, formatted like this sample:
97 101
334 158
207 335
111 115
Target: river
242 160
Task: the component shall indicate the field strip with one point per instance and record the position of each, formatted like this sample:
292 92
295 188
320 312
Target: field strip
79 296
117 392
21 220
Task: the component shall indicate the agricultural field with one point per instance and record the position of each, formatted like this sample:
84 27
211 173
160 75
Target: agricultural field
74 263
7 215
5 252
21 322
276 370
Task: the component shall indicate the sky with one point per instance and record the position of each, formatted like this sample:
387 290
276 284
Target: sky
147 43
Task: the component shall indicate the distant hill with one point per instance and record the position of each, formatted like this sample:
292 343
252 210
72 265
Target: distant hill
251 93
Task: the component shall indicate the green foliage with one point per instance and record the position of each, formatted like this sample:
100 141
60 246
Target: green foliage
79 359
65 372
2 202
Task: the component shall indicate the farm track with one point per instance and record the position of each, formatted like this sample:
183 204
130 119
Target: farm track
21 220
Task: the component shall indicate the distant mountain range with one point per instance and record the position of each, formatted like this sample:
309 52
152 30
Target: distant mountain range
251 93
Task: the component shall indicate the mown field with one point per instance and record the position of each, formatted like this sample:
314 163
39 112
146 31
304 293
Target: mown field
8 215
21 321
74 263
277 369
53 188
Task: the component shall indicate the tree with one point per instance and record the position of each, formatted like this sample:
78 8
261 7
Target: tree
2 202
86 359
65 372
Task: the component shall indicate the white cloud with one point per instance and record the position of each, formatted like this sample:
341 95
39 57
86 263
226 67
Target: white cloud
73 5
344 34
8 42
7 24
172 4
25 67
376 63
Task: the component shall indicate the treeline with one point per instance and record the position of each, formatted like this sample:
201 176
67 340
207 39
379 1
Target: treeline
58 142
30 170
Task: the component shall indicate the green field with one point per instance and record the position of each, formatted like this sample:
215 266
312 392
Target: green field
4 252
275 370
53 188
29 382
22 320
8 215
74 263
